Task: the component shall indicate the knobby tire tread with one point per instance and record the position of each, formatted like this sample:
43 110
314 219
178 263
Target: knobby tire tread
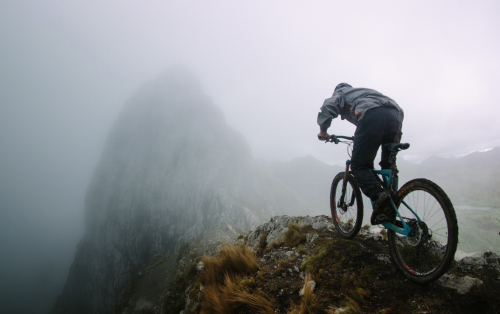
449 212
359 204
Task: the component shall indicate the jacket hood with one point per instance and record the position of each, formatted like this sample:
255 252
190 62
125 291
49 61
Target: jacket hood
342 86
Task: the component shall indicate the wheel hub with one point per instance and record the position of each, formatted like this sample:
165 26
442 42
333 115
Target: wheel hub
420 232
342 206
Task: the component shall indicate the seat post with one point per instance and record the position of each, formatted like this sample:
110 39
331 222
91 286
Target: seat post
395 170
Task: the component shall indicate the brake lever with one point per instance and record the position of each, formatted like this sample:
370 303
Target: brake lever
334 139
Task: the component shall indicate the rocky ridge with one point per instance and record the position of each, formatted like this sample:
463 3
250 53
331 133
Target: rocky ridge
346 275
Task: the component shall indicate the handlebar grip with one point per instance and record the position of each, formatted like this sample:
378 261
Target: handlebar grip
334 139
323 139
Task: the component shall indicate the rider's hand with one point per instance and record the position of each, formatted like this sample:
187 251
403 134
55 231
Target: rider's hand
323 136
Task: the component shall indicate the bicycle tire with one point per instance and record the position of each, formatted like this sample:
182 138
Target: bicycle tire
346 220
427 255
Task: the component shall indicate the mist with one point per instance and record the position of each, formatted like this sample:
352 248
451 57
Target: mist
66 70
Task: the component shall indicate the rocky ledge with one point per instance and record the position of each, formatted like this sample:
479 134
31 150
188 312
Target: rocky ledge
300 254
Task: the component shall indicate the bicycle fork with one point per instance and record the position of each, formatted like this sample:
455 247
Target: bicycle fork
342 203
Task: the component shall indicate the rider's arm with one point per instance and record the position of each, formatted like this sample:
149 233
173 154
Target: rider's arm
330 110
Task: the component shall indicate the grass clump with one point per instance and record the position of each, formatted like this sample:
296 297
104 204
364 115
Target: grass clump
293 236
263 240
349 306
308 301
383 232
284 262
352 303
366 227
300 249
232 260
313 259
273 245
226 290
235 296
359 294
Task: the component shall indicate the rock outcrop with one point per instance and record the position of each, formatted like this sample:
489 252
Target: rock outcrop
172 171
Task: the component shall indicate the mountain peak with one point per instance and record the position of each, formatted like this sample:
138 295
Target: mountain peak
172 171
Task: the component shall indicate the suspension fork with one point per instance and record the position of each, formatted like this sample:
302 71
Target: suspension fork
344 187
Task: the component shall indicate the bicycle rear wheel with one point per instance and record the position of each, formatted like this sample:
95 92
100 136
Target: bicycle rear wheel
347 214
428 253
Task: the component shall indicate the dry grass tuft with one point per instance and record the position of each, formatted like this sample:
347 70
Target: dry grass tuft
263 240
284 262
359 294
293 236
352 307
233 260
300 249
308 302
293 310
349 306
273 245
234 296
383 232
308 299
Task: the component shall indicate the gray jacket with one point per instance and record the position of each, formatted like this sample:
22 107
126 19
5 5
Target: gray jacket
352 104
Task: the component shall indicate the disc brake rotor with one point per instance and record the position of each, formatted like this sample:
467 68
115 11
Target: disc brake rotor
417 232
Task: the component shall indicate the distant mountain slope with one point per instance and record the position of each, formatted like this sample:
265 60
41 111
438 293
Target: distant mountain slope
309 178
171 171
470 180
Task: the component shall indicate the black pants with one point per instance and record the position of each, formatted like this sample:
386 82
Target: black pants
379 126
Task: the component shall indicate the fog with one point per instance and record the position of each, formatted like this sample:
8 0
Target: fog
66 69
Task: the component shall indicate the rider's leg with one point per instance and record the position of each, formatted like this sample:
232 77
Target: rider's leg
368 137
367 140
394 125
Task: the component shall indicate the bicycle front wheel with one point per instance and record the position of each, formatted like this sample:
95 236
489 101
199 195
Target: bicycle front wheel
428 252
347 211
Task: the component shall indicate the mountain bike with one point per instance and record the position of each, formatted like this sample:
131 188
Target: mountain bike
422 228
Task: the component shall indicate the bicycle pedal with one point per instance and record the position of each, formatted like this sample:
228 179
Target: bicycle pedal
380 219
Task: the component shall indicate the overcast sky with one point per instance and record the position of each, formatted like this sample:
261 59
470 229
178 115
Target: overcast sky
67 67
268 64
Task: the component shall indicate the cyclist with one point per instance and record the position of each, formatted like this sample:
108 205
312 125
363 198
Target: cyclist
378 121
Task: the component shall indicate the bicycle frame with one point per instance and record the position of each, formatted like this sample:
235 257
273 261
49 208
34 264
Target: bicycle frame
388 177
387 174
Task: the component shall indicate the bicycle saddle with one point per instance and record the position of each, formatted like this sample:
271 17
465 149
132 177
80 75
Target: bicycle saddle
397 146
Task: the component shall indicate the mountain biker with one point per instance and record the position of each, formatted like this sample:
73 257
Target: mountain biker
378 121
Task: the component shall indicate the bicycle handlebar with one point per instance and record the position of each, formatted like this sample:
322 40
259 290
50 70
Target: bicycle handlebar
335 138
350 138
